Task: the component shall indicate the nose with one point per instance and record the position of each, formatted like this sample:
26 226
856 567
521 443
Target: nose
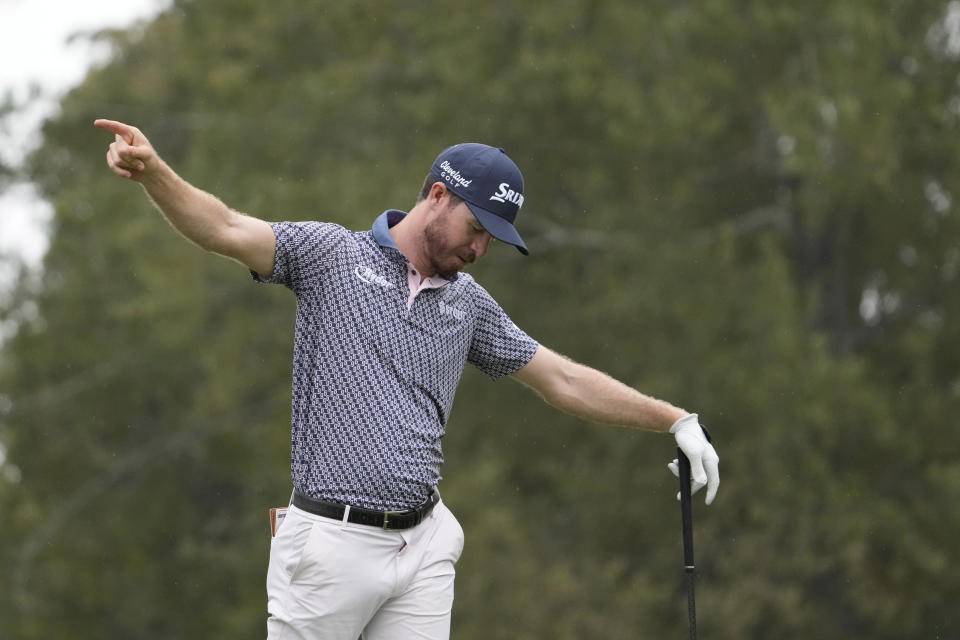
480 244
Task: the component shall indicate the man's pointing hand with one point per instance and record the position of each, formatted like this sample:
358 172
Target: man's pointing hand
130 155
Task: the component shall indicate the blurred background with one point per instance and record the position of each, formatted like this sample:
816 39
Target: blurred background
744 207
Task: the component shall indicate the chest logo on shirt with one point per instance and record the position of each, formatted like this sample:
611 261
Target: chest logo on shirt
369 276
449 310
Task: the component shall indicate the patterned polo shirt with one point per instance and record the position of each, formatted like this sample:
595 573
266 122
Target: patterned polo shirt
376 364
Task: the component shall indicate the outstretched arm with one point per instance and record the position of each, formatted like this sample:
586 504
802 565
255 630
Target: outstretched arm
592 395
197 215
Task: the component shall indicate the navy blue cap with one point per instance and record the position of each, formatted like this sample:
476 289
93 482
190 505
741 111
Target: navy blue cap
489 182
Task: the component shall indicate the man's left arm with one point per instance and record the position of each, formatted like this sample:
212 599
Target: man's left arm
595 396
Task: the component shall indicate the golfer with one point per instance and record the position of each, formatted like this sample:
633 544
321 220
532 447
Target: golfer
385 323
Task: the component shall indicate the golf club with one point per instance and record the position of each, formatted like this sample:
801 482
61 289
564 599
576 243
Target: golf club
686 513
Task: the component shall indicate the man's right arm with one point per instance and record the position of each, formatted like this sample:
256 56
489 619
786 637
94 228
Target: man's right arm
196 214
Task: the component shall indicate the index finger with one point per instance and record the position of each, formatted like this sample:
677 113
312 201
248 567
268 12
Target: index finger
697 472
123 130
713 478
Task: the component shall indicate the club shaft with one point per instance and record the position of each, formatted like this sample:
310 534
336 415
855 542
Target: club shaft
686 512
691 607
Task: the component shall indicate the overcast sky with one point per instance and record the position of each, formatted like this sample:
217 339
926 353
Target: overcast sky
35 48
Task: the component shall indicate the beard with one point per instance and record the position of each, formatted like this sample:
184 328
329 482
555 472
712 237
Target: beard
443 260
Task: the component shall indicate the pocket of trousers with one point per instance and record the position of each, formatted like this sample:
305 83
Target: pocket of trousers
452 532
288 547
314 561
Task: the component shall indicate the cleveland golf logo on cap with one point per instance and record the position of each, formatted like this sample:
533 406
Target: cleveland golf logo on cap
452 175
506 194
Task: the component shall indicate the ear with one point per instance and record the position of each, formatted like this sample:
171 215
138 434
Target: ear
437 193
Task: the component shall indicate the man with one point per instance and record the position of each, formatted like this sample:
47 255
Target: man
385 324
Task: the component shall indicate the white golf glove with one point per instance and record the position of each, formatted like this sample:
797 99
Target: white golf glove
704 461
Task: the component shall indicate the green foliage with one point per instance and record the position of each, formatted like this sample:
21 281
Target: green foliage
743 207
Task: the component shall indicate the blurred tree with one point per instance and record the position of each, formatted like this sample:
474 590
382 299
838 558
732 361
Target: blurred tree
745 208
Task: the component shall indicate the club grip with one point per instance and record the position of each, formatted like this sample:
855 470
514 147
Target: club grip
686 510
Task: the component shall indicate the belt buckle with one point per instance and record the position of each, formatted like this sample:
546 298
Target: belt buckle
387 514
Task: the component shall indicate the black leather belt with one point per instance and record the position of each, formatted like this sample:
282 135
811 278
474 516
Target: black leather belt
371 517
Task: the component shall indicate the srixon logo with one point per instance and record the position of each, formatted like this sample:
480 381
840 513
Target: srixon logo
452 311
369 276
506 194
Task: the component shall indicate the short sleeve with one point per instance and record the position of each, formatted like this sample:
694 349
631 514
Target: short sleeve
304 251
499 347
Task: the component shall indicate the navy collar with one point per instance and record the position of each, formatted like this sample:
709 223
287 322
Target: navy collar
381 227
381 232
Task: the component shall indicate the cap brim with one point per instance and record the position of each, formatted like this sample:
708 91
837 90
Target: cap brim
499 228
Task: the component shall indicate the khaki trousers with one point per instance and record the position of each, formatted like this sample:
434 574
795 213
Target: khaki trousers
330 580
